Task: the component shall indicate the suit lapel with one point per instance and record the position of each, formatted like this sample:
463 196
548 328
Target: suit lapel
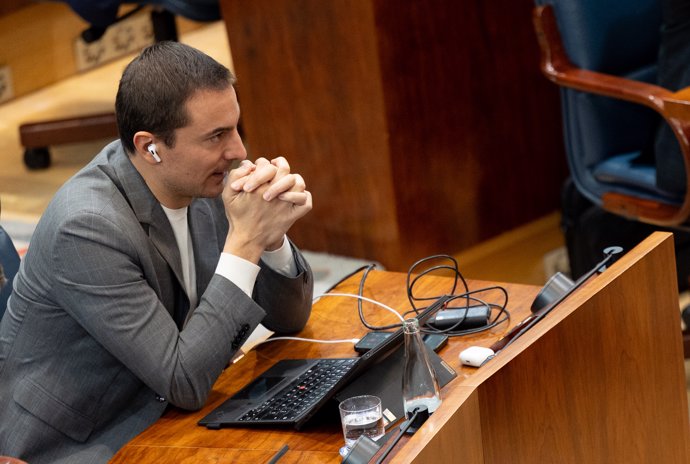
150 215
163 238
204 243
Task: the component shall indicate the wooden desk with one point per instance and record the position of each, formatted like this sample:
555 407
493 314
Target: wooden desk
600 379
177 437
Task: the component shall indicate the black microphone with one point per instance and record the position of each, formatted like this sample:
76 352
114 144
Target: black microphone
477 356
609 252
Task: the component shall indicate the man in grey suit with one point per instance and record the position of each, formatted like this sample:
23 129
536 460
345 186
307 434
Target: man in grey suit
149 268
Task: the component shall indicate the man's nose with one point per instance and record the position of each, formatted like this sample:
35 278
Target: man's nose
235 149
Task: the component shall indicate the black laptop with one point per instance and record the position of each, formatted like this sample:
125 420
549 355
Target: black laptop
291 391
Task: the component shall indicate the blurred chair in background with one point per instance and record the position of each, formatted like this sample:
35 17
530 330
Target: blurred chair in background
37 137
604 55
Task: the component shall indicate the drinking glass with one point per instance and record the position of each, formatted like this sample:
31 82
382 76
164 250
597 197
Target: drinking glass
360 415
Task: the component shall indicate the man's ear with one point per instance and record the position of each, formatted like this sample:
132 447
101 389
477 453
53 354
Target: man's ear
142 140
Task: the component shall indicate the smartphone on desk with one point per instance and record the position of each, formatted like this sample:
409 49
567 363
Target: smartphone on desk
372 340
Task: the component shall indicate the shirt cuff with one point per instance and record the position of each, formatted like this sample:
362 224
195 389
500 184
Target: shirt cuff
243 273
238 271
281 260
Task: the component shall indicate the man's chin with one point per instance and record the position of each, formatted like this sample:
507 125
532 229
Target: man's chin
214 188
211 194
213 191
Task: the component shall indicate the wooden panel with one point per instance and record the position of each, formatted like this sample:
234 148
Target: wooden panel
310 88
421 126
10 6
37 44
459 431
477 125
616 351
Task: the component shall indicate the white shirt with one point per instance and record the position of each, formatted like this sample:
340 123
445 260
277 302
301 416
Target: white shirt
237 270
178 221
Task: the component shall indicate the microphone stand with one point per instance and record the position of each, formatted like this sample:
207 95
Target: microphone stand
419 416
527 323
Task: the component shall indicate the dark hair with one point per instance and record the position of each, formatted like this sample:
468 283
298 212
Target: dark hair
156 85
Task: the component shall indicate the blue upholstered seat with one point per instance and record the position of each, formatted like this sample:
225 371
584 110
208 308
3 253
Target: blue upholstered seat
609 141
9 259
103 13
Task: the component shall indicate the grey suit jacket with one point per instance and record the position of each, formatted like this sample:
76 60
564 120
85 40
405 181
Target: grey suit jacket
90 353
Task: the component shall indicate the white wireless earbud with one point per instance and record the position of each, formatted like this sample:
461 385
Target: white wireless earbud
152 149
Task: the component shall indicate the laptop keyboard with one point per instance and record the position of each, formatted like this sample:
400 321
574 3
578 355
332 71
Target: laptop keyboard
305 391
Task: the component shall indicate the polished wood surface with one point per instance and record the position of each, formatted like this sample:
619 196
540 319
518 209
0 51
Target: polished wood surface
177 438
598 380
421 126
10 6
9 460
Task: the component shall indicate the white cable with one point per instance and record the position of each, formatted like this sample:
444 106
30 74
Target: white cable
312 340
359 297
347 340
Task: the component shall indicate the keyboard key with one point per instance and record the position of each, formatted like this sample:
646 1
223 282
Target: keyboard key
301 394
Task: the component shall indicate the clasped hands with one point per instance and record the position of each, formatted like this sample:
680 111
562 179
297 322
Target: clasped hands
262 201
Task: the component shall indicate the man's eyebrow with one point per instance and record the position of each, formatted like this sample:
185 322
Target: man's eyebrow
218 129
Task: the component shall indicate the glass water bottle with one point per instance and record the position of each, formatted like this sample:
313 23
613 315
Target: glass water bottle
420 387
